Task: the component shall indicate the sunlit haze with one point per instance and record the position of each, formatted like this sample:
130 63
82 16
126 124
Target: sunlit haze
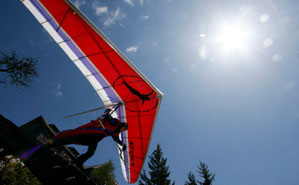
231 37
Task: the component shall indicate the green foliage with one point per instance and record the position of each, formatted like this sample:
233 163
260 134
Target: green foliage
159 171
191 179
13 172
204 173
17 71
104 174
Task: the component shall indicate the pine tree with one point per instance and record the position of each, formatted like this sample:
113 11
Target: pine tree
104 174
191 179
159 171
204 173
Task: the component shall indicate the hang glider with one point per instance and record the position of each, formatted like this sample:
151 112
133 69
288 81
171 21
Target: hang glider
115 79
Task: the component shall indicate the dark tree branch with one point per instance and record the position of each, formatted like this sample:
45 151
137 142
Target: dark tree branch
17 71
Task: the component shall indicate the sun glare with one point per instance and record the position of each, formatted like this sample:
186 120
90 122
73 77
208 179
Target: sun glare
231 37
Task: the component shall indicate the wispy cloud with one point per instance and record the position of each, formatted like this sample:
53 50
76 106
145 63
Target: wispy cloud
79 3
57 91
101 10
114 16
108 17
130 2
132 49
145 17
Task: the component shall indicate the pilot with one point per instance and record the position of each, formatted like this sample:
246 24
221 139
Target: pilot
92 133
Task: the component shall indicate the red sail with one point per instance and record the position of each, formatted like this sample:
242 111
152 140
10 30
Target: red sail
113 76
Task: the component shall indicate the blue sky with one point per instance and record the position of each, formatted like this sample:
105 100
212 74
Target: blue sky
228 71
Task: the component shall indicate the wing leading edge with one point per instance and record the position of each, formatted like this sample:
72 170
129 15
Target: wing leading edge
112 75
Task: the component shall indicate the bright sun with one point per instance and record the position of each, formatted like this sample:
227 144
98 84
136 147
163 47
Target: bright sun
231 37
